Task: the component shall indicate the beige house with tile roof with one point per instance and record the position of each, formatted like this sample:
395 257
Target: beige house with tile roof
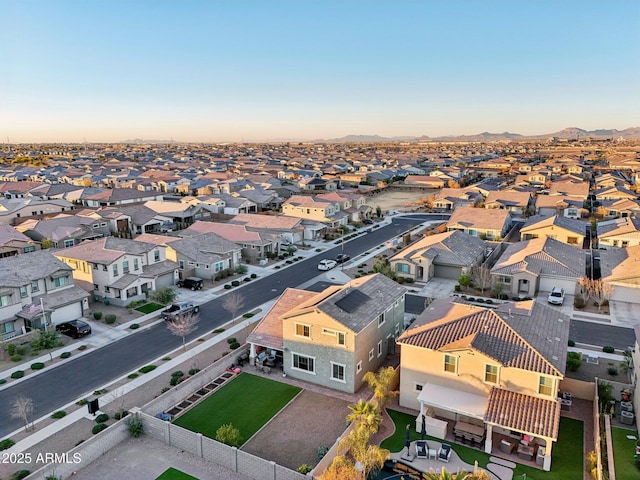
310 207
540 264
567 230
485 223
620 232
490 368
515 202
624 207
619 268
444 255
570 188
452 198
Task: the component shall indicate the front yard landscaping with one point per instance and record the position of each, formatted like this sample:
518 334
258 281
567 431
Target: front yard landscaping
149 307
567 462
248 402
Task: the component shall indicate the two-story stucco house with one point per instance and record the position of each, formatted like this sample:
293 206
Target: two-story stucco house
334 337
488 374
567 230
30 282
118 270
489 224
310 207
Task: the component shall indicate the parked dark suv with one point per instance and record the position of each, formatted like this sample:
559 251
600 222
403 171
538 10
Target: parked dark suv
74 328
194 283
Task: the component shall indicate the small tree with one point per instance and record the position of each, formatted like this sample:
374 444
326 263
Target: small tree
183 325
597 289
464 280
23 409
233 302
378 212
481 277
385 270
163 295
229 435
45 341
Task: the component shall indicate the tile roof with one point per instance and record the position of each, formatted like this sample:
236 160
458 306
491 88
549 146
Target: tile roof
541 221
449 248
618 226
542 256
524 413
483 218
21 270
526 335
621 265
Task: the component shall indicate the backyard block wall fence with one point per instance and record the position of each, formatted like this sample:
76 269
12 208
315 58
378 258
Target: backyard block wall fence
216 452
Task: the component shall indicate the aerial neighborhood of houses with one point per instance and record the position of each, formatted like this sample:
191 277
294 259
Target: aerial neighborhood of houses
522 239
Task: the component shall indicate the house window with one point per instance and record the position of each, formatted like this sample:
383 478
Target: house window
380 348
181 264
337 372
103 224
572 212
450 364
301 362
135 264
156 255
107 289
615 243
68 243
546 386
342 338
473 233
7 327
504 279
115 269
402 267
4 300
371 354
219 266
23 292
491 373
303 330
29 249
572 240
417 387
380 320
359 367
625 243
60 281
125 266
35 287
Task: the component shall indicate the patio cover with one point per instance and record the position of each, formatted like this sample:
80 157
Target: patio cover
453 400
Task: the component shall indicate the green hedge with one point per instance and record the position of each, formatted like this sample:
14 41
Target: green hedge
147 368
17 374
103 417
98 428
37 366
58 414
65 354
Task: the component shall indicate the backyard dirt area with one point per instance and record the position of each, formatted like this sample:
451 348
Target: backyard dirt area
392 199
292 438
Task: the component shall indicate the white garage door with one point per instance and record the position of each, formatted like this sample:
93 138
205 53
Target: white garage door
547 284
626 294
69 312
443 271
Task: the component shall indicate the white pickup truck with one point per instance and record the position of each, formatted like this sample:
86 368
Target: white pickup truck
179 309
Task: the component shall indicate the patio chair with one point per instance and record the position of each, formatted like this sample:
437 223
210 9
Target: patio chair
444 453
422 448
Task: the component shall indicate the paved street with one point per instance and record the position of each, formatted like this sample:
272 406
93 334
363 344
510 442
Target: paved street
591 333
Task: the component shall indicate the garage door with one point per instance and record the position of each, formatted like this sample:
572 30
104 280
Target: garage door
444 271
66 313
547 284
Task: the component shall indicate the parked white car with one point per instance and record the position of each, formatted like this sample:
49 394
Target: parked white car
556 297
327 264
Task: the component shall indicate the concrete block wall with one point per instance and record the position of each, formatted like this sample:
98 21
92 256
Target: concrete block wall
255 467
219 453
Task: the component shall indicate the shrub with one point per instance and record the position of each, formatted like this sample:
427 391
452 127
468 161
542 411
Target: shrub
574 360
37 366
480 300
503 296
82 348
65 354
231 340
58 414
82 401
229 434
247 279
578 302
120 414
135 426
16 358
3 380
253 275
248 315
6 443
613 371
97 315
227 287
608 349
571 343
147 368
457 288
488 301
165 359
234 345
218 330
235 283
110 319
21 350
134 326
133 375
17 374
20 474
304 468
103 417
98 428
11 349
193 371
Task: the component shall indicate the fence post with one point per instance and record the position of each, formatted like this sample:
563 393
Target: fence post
199 444
167 433
234 460
273 469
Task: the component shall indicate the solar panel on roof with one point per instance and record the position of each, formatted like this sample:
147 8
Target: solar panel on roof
352 300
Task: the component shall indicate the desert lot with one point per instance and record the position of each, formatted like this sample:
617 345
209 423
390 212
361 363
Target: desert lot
397 199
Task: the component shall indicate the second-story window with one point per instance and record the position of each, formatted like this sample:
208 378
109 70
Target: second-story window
546 386
303 330
23 292
450 363
60 281
35 287
491 373
115 269
135 264
156 255
125 266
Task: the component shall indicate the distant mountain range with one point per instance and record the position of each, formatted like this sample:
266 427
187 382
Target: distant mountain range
572 133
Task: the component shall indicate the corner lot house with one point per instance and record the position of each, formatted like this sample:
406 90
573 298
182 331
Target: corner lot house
334 337
445 255
539 265
30 282
566 230
487 371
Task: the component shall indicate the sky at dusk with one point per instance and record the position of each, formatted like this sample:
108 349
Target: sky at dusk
258 71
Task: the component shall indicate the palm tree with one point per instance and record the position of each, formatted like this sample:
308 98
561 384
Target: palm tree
365 415
366 457
381 383
444 475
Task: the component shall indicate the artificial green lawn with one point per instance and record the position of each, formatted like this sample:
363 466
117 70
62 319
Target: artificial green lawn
623 452
149 307
567 452
247 402
173 474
